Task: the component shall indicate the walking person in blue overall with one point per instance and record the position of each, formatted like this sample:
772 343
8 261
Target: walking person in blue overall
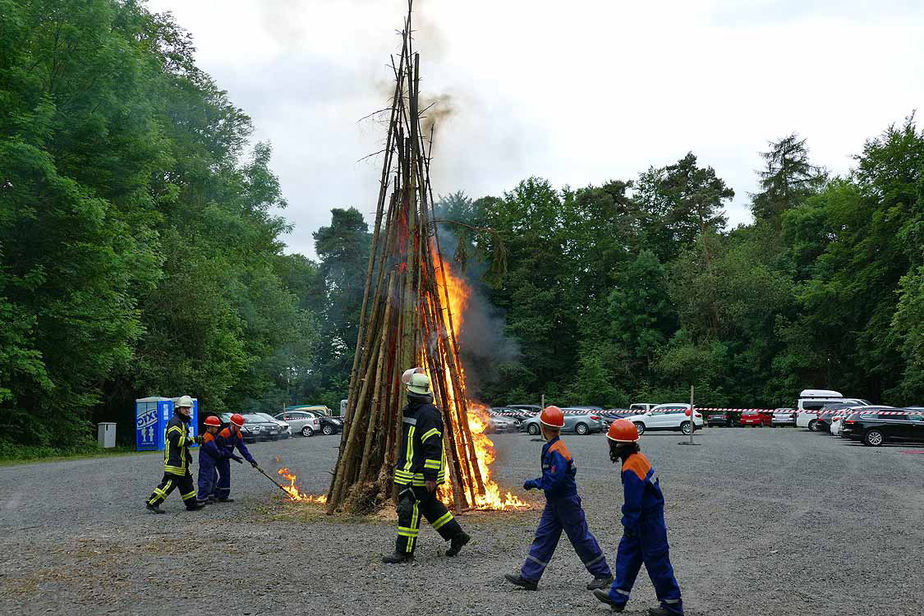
645 535
227 440
562 512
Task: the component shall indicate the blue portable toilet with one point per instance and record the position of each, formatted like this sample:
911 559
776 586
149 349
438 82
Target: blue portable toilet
151 417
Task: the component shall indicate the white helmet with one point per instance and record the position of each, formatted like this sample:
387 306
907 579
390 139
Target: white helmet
184 401
419 384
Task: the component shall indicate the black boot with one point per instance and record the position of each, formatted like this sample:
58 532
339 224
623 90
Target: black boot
600 582
195 506
520 581
226 499
397 557
153 508
604 597
457 542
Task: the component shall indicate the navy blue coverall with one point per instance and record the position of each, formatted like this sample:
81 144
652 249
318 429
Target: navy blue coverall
227 440
562 512
645 537
210 454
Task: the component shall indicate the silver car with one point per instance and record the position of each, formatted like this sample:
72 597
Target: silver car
501 423
301 422
578 419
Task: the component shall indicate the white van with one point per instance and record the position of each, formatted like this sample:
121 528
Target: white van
814 400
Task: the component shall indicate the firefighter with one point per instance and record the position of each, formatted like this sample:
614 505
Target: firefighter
227 440
177 460
644 538
562 512
209 457
420 469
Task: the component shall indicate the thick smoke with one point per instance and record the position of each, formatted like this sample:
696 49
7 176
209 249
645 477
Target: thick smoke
483 345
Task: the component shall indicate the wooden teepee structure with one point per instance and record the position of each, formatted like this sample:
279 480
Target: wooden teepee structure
406 319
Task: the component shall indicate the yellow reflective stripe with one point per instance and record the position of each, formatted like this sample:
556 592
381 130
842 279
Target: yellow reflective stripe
434 464
429 433
175 470
188 495
404 531
409 454
442 521
415 523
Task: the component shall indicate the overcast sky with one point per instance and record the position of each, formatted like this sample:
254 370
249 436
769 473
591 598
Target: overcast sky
577 91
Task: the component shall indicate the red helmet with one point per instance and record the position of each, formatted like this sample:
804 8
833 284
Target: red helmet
212 420
238 420
622 431
552 417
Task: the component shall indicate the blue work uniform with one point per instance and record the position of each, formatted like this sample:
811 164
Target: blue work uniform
209 457
227 440
645 538
562 512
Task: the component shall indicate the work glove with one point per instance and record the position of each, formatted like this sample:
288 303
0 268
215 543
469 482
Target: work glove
198 440
253 463
530 484
630 533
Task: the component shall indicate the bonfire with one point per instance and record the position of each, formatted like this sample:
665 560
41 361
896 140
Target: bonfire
411 316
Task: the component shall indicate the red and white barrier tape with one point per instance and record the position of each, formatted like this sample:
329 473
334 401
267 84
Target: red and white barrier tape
709 408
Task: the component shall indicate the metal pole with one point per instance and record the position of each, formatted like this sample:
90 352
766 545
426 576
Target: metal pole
542 401
692 415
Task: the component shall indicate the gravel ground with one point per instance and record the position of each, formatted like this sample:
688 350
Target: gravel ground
761 521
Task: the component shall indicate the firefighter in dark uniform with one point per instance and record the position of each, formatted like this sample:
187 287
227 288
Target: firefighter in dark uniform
177 460
421 468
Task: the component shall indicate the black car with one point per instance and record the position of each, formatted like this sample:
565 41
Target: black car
256 428
718 419
329 425
894 425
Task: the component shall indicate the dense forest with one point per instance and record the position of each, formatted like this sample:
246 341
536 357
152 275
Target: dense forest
141 254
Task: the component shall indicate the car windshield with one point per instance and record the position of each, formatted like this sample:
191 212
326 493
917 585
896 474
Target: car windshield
253 418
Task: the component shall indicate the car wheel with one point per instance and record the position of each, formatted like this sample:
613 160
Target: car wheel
685 427
307 431
873 438
532 429
640 427
327 430
581 429
813 425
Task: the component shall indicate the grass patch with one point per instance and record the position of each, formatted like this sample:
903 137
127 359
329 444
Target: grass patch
12 454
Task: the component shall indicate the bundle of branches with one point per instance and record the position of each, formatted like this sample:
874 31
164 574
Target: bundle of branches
406 320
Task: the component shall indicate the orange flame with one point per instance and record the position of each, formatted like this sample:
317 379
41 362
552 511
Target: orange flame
294 492
458 294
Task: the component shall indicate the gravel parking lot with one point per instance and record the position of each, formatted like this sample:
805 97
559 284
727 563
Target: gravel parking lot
761 521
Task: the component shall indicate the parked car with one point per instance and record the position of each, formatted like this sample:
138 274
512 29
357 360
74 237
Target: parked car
517 415
530 409
256 428
329 425
783 417
611 415
301 422
672 416
577 420
285 430
502 423
755 418
719 419
813 400
875 428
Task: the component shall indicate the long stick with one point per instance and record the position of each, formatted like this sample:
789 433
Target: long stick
262 472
